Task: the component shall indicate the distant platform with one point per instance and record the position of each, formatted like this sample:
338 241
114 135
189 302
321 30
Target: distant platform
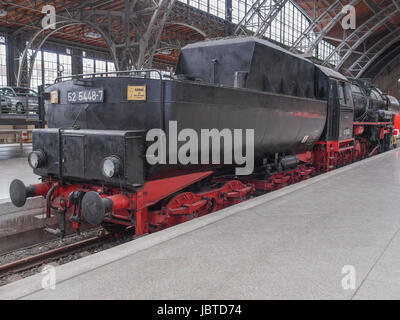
14 165
301 242
18 119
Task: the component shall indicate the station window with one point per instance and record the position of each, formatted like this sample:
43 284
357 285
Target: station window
110 68
214 7
3 62
87 65
287 27
101 66
50 67
217 8
65 64
94 66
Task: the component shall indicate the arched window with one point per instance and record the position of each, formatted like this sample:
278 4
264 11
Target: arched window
287 27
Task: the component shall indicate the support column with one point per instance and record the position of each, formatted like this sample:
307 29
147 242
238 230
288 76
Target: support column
10 51
77 67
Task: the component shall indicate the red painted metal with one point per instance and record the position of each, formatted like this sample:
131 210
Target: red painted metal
306 157
372 123
163 203
358 130
279 180
134 209
333 154
120 202
155 190
41 189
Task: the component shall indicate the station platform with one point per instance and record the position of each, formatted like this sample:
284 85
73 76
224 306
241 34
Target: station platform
294 243
14 165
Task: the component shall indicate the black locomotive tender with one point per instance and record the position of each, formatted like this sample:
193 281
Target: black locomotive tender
306 119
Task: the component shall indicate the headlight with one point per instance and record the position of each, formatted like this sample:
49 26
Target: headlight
36 159
111 166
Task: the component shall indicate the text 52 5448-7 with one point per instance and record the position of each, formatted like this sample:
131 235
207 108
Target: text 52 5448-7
85 96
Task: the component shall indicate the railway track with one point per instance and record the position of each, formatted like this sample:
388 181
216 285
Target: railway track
67 252
48 256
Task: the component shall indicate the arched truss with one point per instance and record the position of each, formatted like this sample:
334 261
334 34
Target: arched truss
183 24
315 33
384 81
35 44
131 35
259 17
365 60
148 42
388 59
349 45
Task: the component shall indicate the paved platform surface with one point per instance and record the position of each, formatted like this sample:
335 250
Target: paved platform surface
289 244
14 165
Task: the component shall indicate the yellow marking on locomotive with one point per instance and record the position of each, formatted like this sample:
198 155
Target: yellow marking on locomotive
136 93
54 97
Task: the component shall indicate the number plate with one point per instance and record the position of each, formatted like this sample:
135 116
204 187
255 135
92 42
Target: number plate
86 96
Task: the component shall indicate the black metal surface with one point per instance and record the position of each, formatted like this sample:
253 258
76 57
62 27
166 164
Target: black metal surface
81 153
41 99
340 108
282 123
18 193
288 162
93 208
370 104
270 68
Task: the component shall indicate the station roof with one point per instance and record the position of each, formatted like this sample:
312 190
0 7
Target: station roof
374 42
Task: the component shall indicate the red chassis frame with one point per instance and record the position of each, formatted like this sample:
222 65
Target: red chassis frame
133 209
138 210
329 155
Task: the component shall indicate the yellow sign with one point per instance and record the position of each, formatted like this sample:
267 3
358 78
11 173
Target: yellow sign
136 93
54 96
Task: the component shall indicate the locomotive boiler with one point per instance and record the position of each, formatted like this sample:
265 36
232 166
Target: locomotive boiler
92 157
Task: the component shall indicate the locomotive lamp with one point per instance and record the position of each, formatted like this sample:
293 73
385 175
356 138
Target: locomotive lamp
111 166
36 159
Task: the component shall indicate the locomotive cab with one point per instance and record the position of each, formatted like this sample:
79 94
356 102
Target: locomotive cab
337 90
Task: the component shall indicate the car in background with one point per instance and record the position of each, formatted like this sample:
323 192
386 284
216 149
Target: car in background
19 100
3 103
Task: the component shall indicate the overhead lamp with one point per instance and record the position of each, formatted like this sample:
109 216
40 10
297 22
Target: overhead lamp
92 35
165 52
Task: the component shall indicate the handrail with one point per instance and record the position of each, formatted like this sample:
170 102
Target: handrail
160 79
92 75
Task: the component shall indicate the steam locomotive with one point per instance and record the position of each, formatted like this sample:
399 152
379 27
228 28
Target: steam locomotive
306 119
